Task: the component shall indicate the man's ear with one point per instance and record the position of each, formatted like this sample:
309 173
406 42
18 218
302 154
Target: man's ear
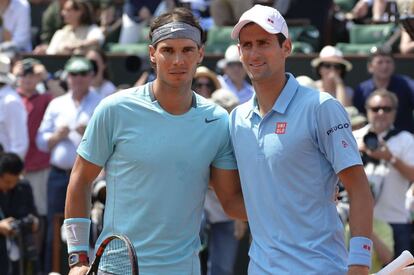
287 46
201 52
152 50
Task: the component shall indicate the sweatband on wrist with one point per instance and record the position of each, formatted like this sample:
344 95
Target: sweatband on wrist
77 234
360 251
174 30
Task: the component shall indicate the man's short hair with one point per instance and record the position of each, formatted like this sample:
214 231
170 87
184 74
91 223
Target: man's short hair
10 163
379 52
383 93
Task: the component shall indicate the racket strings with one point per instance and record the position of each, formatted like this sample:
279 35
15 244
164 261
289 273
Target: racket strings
116 259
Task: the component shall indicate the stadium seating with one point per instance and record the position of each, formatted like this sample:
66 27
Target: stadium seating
365 36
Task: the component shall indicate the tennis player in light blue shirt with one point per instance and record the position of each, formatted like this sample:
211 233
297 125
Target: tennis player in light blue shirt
293 145
160 145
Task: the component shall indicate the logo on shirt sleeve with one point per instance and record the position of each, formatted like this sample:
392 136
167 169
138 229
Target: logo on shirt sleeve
281 128
338 127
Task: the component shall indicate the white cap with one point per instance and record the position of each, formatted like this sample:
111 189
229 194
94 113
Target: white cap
266 17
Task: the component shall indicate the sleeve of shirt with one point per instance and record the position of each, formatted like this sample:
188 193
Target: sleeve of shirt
56 39
17 127
334 136
407 154
225 158
21 34
95 33
46 129
98 142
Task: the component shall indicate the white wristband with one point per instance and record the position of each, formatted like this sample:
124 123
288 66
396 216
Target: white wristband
77 234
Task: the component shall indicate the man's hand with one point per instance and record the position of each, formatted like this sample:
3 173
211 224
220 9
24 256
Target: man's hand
6 228
381 153
81 129
79 270
358 270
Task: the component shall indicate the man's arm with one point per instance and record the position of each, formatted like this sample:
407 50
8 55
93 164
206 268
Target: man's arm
361 207
78 197
226 184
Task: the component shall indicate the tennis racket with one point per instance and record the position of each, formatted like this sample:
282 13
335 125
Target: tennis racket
116 255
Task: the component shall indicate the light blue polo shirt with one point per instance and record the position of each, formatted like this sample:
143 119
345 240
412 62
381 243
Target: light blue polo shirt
288 161
158 167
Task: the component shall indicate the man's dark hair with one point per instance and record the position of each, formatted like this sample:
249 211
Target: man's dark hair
379 52
177 15
10 163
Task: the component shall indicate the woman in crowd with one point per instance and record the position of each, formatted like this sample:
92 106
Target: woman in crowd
79 34
205 82
331 68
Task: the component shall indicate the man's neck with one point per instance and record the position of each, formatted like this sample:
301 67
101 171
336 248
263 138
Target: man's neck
267 92
381 83
174 100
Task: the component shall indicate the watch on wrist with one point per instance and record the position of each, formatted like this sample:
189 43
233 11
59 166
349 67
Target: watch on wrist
78 258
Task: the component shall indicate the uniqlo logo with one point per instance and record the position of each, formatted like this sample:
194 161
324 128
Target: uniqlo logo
366 247
281 128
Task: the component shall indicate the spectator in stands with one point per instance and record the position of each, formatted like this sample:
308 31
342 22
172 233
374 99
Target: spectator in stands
136 16
234 78
100 83
406 8
381 66
16 202
15 26
228 12
331 68
110 21
60 133
205 82
201 10
406 42
29 74
13 116
389 165
52 21
80 32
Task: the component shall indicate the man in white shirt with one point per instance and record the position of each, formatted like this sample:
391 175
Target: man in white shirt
60 133
14 137
16 29
388 155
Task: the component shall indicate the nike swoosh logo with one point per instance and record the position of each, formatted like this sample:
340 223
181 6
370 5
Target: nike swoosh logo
210 120
176 29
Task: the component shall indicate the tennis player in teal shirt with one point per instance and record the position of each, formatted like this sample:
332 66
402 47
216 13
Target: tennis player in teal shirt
160 144
293 145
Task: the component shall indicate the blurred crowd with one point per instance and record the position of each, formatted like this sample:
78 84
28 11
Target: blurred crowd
43 114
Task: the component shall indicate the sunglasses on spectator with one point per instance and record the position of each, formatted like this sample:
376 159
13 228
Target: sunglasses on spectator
335 66
198 85
80 73
385 109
